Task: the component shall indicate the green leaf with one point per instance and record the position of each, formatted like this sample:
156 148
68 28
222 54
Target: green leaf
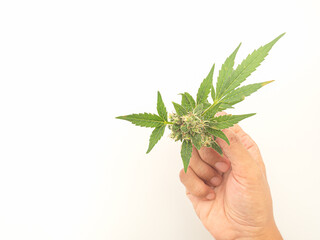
196 141
213 93
247 66
156 135
161 108
198 109
211 111
144 119
187 101
218 133
216 147
227 121
225 106
205 87
179 109
206 104
225 73
186 151
239 94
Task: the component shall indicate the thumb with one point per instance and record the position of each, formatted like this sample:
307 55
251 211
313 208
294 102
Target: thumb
242 163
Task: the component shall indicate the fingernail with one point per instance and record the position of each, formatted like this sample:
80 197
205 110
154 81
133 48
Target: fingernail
222 166
210 196
215 181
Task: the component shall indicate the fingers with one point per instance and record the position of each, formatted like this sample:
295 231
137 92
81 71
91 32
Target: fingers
195 185
203 170
214 159
242 162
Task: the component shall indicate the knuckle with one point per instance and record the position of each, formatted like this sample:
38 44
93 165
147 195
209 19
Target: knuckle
233 138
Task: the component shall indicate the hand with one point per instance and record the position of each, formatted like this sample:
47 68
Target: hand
230 193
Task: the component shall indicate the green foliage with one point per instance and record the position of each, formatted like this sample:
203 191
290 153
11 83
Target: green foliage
211 111
198 109
216 147
186 152
246 67
225 73
194 122
156 134
205 87
227 121
161 108
197 140
144 119
218 133
187 101
179 109
240 93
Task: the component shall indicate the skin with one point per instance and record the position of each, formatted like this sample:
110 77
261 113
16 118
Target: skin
230 193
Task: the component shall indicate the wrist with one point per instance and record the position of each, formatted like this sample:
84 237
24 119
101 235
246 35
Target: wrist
270 233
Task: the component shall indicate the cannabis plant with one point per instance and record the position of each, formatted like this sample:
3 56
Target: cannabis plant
195 121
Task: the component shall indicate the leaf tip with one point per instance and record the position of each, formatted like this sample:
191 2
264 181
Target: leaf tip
267 82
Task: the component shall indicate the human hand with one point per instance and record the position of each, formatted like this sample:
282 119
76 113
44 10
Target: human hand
230 193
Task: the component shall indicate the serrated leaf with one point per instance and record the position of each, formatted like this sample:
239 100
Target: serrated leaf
196 141
205 87
247 66
211 111
216 147
144 119
179 109
239 94
156 135
161 108
186 152
227 121
198 109
218 133
213 93
187 101
225 73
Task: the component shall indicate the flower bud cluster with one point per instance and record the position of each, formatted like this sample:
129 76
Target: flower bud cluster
187 126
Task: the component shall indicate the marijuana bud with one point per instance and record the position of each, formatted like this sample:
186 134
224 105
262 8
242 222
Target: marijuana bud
195 122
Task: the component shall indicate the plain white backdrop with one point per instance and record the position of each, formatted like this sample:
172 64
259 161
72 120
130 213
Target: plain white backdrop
70 170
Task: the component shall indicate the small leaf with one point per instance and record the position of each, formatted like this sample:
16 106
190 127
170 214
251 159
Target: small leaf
196 141
225 73
218 133
227 121
187 101
211 111
179 109
161 108
198 109
248 66
205 87
156 135
143 119
216 147
239 94
186 151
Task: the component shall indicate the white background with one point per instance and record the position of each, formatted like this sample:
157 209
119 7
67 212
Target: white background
69 170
